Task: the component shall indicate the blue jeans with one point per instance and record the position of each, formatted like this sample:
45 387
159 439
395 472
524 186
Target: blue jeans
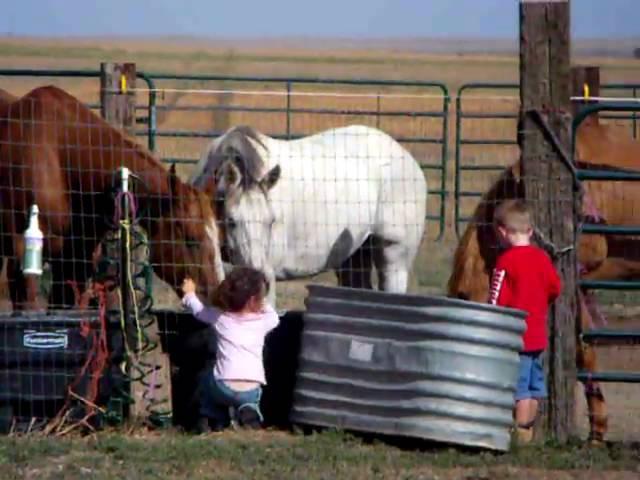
216 398
531 381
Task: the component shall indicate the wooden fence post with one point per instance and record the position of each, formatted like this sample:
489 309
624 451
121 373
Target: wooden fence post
545 88
118 107
117 95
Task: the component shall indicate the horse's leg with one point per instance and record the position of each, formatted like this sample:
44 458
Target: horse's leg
17 287
586 360
23 289
355 271
614 269
392 265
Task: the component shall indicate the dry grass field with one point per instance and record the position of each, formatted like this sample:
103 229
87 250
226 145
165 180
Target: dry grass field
433 263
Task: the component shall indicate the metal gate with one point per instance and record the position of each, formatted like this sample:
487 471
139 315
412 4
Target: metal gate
414 113
91 101
384 104
620 364
609 335
479 156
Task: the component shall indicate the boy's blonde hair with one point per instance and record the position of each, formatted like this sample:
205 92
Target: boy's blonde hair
514 215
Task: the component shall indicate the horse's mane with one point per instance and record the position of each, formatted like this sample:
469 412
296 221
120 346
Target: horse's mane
235 145
62 102
6 99
476 252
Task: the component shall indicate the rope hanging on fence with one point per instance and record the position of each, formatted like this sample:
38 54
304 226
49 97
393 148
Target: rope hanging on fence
133 366
137 251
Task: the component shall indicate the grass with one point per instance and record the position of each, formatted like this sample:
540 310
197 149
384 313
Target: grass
265 455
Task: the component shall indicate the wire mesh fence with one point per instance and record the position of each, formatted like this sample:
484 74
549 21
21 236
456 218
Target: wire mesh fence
59 156
607 147
294 122
340 180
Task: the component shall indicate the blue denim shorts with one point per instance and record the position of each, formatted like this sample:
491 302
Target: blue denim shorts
216 398
531 381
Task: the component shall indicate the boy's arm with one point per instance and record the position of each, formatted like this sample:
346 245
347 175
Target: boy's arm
499 288
209 315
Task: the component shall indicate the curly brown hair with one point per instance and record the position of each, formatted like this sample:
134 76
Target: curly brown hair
239 287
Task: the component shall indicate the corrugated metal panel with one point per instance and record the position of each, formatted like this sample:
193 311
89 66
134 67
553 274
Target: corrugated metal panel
427 367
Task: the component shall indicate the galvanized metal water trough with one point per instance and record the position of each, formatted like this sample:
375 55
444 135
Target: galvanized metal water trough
417 366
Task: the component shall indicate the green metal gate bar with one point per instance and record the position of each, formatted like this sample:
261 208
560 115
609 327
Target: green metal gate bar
609 336
150 119
289 111
459 167
460 217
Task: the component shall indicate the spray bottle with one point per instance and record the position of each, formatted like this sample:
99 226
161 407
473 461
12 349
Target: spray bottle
33 239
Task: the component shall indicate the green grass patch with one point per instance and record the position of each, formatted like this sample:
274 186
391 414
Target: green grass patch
274 455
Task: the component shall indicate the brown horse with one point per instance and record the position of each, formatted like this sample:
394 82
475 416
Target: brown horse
6 98
602 258
56 153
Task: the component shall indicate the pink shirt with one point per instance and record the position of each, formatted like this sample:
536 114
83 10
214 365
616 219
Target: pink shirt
240 339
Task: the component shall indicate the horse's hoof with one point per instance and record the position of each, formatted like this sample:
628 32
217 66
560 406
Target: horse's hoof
596 441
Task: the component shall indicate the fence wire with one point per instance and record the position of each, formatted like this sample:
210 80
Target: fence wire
293 122
56 154
486 144
611 145
46 141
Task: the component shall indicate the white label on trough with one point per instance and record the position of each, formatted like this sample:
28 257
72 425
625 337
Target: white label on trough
361 351
45 340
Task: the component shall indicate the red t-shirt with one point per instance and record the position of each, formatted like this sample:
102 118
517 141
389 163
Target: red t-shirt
525 278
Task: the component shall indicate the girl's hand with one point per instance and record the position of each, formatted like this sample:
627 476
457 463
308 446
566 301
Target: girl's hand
188 286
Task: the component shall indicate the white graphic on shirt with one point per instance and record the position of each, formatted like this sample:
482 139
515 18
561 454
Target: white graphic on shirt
497 280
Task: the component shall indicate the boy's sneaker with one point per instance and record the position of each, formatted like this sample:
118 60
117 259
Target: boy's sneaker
524 436
249 417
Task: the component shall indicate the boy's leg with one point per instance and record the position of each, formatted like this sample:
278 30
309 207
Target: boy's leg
537 386
523 408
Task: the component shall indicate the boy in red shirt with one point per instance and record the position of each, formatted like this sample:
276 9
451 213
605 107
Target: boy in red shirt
524 278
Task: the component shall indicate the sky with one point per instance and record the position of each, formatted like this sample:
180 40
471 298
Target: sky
312 18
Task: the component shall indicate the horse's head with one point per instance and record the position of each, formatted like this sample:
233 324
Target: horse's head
248 216
234 167
476 253
186 239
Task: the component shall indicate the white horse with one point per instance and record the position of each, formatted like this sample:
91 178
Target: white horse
344 199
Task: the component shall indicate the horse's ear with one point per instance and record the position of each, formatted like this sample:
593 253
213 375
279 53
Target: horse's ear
173 179
271 178
516 171
208 186
230 178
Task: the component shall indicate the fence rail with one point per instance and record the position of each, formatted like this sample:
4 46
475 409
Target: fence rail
289 88
604 335
503 91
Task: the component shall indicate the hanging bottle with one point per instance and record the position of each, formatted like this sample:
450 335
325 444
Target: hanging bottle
33 242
